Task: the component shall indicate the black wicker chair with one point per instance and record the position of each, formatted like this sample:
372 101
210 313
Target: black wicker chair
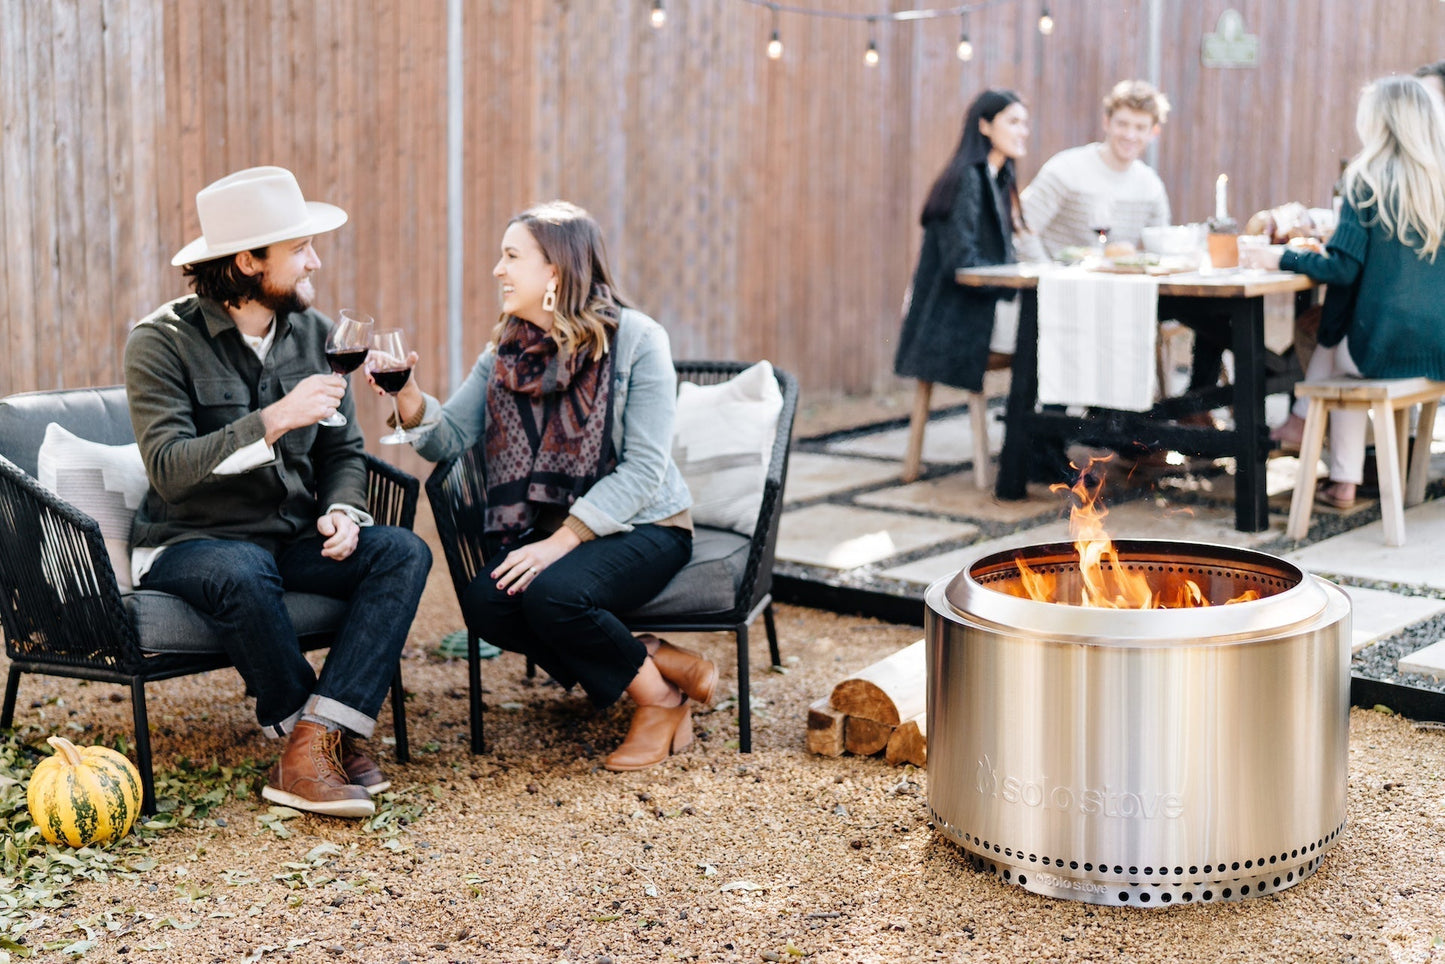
61 609
458 498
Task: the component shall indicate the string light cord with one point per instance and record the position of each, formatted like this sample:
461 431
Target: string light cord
897 16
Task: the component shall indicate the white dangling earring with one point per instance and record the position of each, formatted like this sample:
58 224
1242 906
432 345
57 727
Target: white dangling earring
549 300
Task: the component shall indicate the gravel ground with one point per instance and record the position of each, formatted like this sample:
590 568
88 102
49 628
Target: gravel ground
532 852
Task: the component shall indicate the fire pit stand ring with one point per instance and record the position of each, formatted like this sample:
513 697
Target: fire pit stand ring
1140 757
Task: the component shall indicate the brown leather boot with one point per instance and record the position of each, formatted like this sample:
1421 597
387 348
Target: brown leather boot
361 769
309 776
656 731
690 672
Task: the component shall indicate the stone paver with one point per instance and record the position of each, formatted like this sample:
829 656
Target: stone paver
955 494
1376 614
1140 520
1361 553
1429 661
843 537
812 476
945 440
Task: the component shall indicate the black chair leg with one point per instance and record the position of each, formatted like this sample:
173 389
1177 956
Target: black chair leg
398 717
745 705
143 746
12 689
772 634
474 690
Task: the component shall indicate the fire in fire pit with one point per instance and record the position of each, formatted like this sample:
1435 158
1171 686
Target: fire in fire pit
1126 755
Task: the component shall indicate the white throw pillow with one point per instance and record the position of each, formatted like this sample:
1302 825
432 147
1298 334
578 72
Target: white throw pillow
722 443
106 482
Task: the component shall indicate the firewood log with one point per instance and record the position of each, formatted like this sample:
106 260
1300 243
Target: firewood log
825 729
890 691
865 737
909 743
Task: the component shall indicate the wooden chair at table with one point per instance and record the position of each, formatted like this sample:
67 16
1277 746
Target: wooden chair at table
978 421
1388 400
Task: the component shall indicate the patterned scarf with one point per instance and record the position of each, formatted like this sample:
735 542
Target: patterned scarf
549 428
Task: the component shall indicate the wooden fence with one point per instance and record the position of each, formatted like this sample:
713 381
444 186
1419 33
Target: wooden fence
757 208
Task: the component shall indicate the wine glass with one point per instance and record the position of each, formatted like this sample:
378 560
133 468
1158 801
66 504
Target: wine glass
346 348
390 370
1100 214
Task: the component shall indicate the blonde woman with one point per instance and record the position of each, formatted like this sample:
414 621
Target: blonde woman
587 515
1387 281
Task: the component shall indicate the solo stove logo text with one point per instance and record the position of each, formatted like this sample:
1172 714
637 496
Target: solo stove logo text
1102 801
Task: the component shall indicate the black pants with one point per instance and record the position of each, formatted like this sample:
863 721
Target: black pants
566 618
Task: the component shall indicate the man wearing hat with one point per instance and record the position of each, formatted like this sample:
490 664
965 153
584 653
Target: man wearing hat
250 497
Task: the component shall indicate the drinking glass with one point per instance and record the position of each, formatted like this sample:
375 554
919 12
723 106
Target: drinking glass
1101 214
390 369
346 348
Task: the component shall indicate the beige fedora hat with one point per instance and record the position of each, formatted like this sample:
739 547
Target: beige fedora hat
254 208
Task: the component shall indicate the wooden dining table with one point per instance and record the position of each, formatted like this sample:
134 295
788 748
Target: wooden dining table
1203 300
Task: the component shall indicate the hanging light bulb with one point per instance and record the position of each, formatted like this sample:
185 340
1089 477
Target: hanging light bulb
659 15
870 57
1046 22
965 48
775 43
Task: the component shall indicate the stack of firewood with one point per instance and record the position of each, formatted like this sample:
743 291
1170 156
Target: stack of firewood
880 708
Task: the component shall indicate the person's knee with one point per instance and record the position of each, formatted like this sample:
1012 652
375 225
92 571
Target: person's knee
549 602
397 549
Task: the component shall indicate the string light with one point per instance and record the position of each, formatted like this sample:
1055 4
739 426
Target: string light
1046 22
965 48
870 57
775 43
659 15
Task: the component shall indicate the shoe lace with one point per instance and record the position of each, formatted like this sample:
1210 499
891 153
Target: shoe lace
326 753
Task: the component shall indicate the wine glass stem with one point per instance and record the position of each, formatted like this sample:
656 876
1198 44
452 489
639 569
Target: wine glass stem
396 410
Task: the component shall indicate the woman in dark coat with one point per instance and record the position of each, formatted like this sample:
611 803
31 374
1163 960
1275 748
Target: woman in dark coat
967 220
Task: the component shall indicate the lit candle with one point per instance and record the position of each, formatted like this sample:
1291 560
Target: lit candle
1219 209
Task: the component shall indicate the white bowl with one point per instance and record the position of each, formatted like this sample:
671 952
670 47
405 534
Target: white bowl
1173 239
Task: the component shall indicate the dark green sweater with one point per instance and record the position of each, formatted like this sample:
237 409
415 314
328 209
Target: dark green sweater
1388 300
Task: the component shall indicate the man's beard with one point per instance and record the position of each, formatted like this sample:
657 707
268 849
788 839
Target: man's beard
281 300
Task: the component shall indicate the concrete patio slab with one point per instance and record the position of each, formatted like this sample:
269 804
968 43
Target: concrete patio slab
843 537
945 440
1429 661
956 495
1377 614
1362 554
813 476
1140 520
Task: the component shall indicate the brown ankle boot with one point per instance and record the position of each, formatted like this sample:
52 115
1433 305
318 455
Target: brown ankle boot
309 776
361 769
656 731
690 672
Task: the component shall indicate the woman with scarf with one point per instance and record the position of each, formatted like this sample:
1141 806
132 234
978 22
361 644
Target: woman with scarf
968 219
587 515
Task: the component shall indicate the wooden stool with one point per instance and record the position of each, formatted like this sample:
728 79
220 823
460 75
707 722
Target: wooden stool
978 420
1388 400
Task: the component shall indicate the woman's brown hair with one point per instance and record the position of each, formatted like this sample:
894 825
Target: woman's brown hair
588 304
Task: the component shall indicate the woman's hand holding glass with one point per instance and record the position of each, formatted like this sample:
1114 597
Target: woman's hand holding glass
388 368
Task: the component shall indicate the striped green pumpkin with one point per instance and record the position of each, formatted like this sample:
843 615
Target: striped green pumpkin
83 796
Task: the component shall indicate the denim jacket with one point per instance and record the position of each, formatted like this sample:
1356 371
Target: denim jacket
646 485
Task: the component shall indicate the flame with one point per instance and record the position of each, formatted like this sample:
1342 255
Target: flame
1107 583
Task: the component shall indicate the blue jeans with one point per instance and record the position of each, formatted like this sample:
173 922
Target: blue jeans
566 621
240 586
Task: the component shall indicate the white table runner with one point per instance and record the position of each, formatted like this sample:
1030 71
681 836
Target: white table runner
1098 336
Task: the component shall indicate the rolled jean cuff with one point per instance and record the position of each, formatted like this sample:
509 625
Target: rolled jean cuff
277 731
354 720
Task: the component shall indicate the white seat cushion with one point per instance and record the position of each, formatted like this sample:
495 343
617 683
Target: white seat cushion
722 443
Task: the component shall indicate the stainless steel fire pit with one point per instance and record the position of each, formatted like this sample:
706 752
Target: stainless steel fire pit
1143 757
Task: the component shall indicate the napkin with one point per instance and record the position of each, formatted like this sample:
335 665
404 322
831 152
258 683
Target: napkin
1097 339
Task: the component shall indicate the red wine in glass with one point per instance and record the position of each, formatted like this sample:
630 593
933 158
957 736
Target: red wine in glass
391 380
344 361
346 347
390 370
